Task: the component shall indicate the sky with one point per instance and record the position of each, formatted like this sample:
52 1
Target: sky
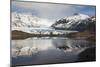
51 11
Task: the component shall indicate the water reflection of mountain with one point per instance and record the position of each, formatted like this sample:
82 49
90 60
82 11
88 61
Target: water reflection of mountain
69 44
50 50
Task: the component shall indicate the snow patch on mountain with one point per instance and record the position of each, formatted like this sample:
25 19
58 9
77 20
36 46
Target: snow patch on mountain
27 20
74 22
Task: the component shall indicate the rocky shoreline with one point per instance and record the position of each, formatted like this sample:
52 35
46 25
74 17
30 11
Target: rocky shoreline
86 35
88 55
20 35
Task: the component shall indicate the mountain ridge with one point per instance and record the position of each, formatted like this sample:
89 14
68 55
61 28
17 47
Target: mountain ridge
78 22
26 20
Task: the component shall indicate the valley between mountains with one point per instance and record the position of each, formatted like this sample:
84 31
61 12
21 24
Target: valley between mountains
78 26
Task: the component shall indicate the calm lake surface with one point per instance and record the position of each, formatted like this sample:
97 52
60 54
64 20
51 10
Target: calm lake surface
46 50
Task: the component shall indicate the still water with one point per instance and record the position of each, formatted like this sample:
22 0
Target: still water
46 50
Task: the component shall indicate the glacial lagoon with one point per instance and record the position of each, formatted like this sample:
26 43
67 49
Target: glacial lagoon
40 50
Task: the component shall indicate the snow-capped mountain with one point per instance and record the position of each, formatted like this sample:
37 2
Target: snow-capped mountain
76 22
26 20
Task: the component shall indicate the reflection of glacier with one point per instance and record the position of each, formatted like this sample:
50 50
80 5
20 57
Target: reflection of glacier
71 45
32 46
29 46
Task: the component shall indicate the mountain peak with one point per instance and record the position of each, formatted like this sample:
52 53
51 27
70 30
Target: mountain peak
77 17
80 14
76 13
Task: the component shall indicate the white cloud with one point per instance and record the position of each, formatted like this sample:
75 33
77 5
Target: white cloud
48 10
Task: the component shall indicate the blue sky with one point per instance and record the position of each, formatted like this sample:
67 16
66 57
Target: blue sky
89 10
51 11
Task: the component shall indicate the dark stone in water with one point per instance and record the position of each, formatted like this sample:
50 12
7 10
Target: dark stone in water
88 55
63 47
